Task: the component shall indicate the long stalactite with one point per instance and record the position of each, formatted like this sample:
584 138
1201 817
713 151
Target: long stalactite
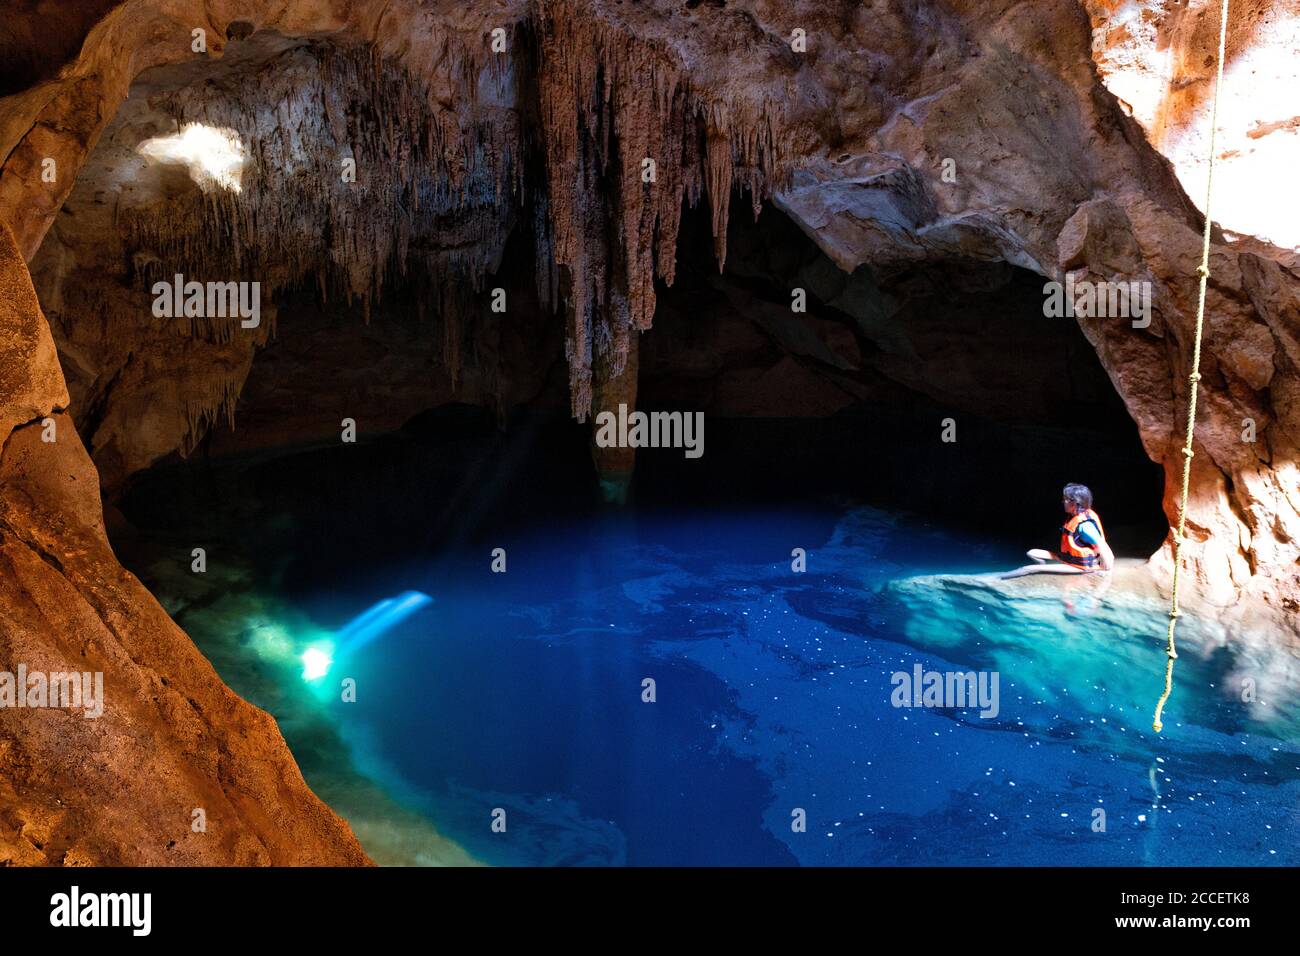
591 139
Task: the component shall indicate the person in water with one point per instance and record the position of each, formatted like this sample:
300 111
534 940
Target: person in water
1083 542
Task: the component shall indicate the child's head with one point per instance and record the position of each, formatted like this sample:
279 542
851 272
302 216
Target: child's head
1076 498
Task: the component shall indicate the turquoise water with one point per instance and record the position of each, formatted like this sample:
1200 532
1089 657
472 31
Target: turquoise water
523 692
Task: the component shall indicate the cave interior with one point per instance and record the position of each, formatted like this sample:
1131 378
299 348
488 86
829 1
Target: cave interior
380 311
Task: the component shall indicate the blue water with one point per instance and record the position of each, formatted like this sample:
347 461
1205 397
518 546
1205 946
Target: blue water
522 691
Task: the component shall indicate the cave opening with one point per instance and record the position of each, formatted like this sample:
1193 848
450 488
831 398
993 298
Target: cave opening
383 317
798 407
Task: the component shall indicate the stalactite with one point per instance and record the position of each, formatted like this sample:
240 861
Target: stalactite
623 137
610 103
717 178
216 401
422 172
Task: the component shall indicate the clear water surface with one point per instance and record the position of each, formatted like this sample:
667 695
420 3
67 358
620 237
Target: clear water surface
523 691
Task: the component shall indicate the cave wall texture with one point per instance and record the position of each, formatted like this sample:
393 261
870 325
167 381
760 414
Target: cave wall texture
1076 129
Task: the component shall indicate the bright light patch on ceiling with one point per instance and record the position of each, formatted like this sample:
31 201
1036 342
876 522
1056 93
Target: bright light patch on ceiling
215 157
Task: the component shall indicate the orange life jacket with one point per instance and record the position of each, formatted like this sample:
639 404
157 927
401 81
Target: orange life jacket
1073 548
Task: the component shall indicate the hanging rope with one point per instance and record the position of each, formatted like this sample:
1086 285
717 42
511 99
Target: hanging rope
1203 271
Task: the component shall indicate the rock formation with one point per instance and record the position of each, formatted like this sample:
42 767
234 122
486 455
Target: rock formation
177 769
572 134
1160 58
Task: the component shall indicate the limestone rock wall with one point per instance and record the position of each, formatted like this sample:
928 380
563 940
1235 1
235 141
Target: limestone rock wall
120 788
1159 59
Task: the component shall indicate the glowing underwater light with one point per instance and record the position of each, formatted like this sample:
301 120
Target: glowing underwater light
213 156
315 663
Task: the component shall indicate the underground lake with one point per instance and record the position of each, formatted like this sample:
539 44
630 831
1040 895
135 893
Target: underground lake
472 661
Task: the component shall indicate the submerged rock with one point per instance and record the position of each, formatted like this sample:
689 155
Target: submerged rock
1120 617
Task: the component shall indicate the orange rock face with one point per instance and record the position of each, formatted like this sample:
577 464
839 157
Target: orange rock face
175 769
1159 59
